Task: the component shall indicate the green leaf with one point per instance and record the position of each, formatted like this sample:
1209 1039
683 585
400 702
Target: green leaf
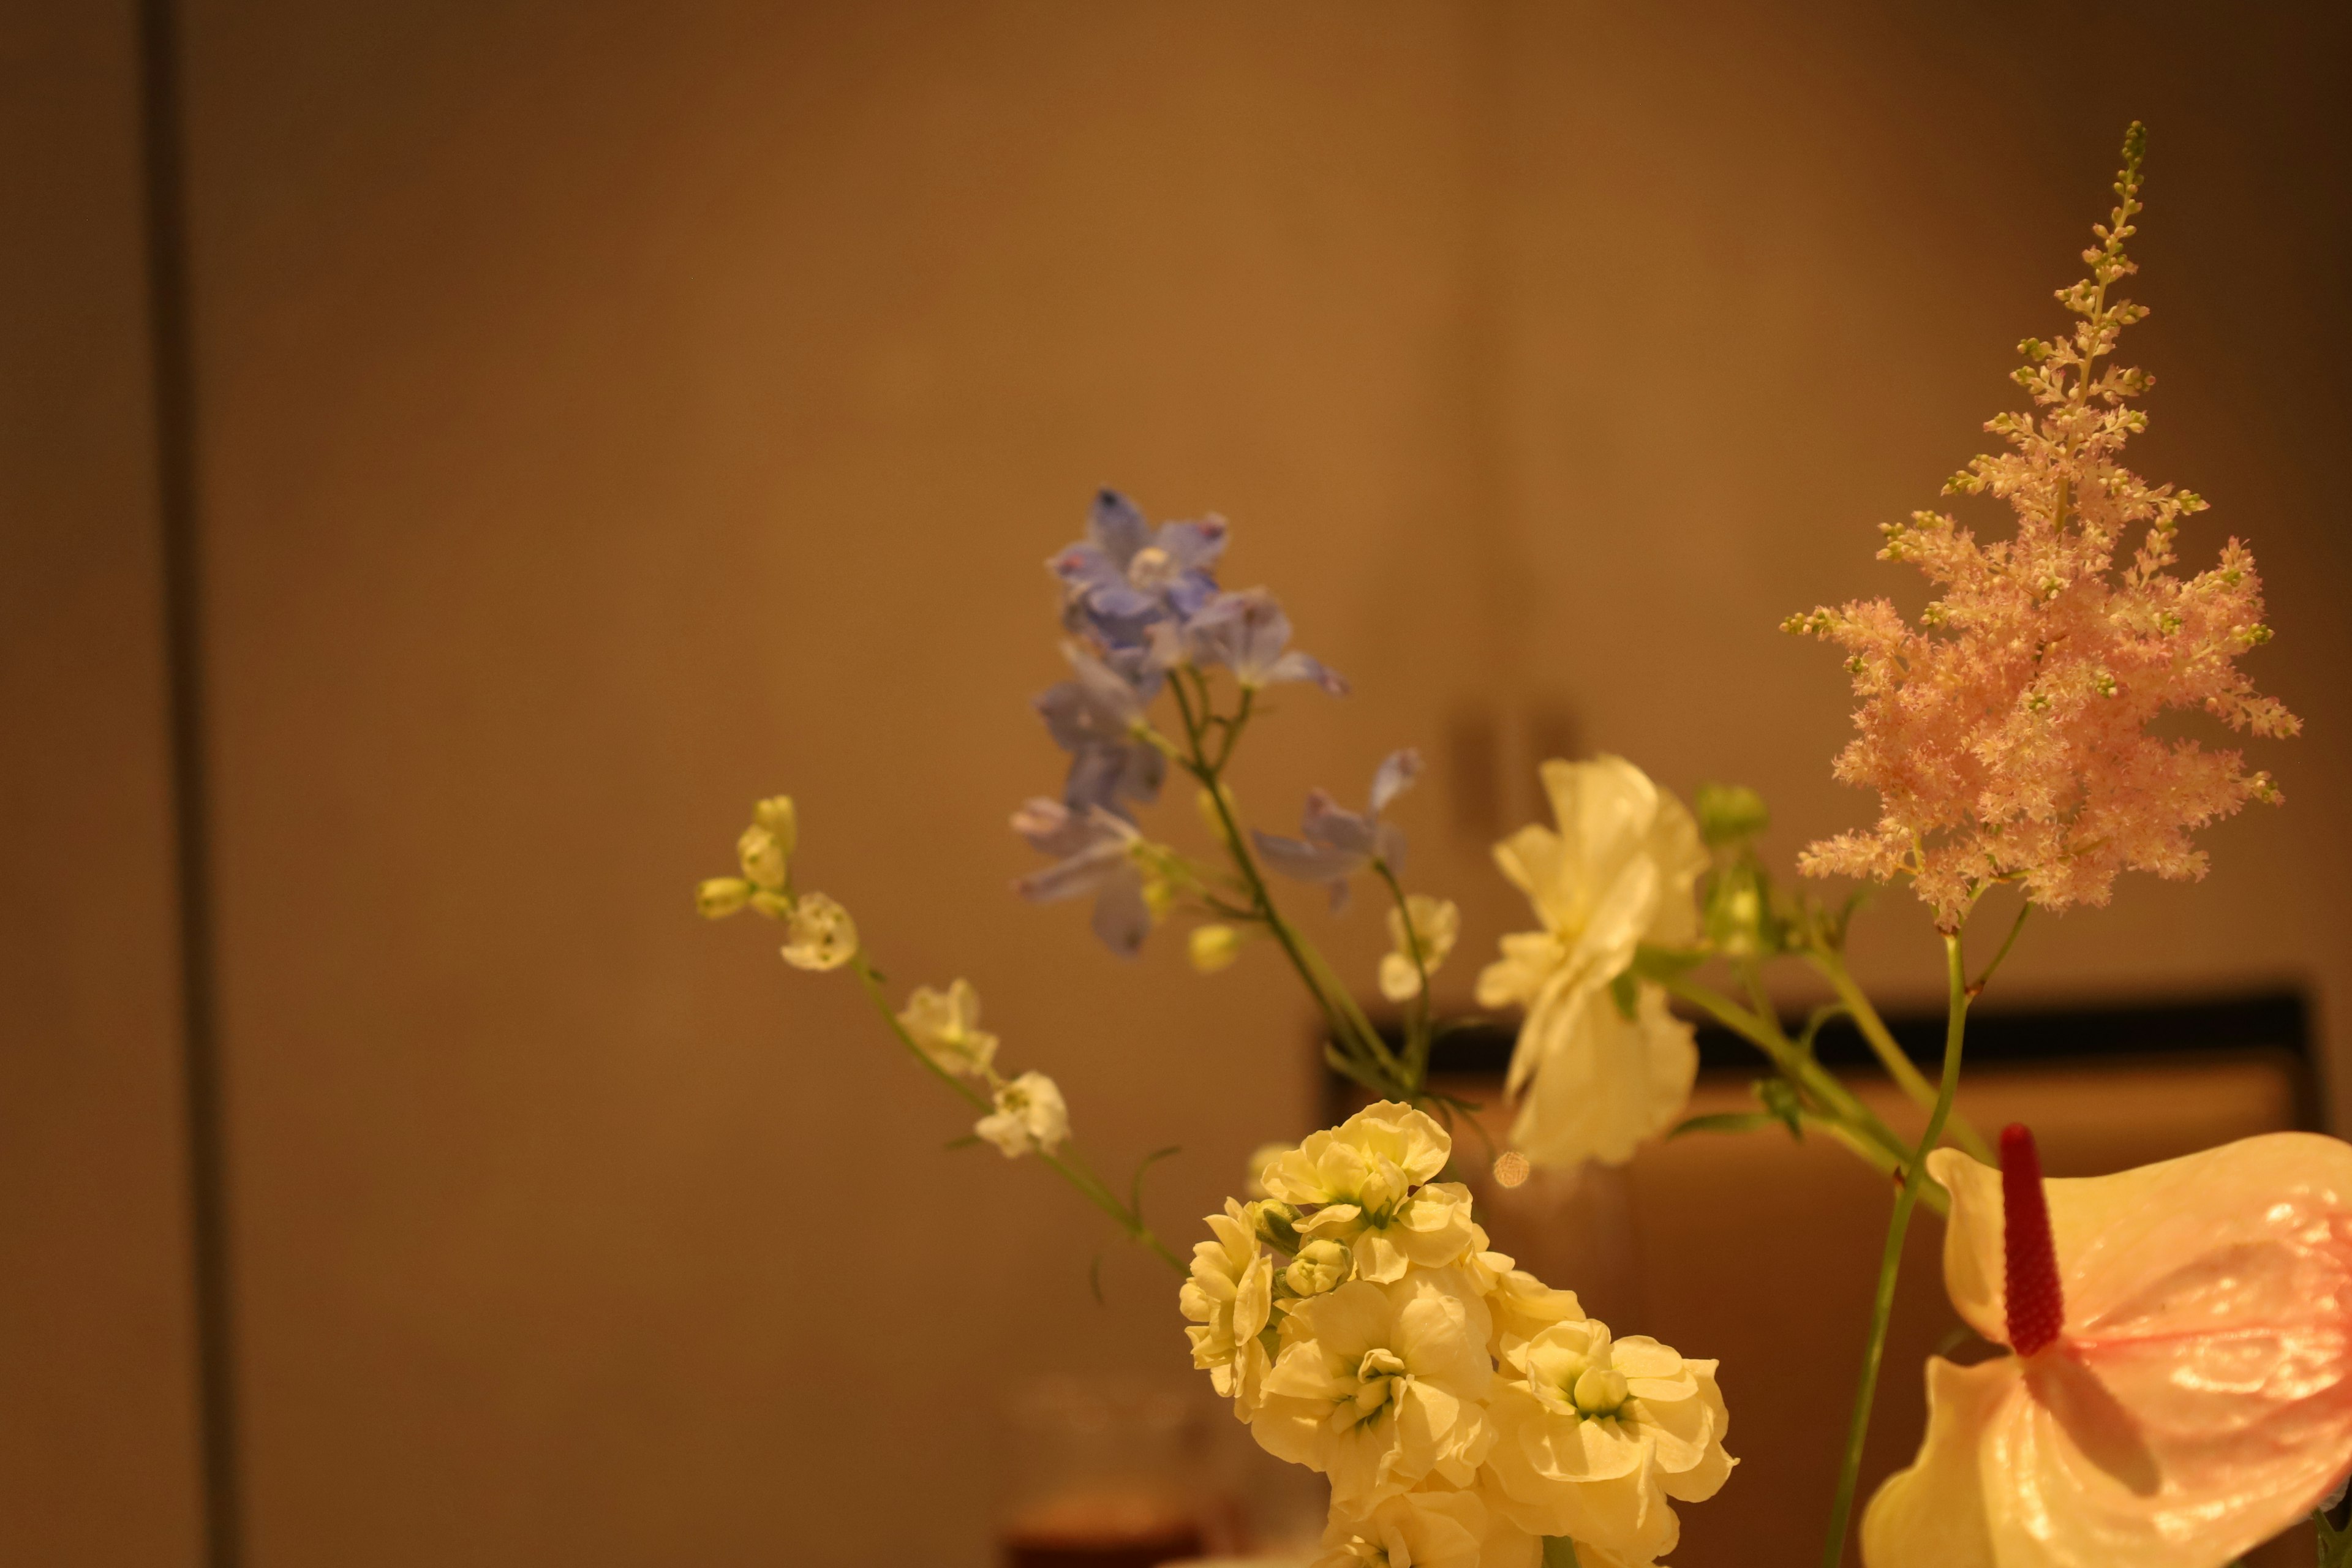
1727 1121
1781 1104
1559 1551
1624 991
1135 1188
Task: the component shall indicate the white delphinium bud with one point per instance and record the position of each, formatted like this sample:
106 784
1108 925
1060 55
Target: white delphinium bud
719 897
1436 923
1229 1300
946 1025
1595 1436
818 933
775 906
1321 1266
1030 1116
776 813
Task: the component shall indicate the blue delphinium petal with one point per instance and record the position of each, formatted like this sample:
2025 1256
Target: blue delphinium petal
1398 773
1093 846
1334 843
1247 633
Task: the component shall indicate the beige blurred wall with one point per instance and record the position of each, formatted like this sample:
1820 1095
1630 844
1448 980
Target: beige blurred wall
615 412
97 1387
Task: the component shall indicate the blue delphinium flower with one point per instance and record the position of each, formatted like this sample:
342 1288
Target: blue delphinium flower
1095 852
1334 844
1094 716
1248 633
1126 577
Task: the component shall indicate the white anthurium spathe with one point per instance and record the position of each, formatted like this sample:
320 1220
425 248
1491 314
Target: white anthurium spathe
1369 1183
1596 1439
1229 1299
2195 1399
1380 1386
1620 870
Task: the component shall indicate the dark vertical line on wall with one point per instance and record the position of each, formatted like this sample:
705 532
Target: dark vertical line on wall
172 353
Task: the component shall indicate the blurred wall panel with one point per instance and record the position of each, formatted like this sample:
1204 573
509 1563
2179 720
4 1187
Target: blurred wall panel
615 412
97 1430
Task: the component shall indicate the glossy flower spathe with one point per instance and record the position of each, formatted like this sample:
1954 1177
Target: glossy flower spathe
1619 871
2197 1398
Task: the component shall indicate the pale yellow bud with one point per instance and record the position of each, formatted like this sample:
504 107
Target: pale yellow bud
775 906
765 858
719 897
1321 1266
1214 946
819 934
776 815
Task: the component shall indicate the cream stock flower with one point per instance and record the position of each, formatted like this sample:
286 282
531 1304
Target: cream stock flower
1619 872
1030 1116
2196 1396
1435 1527
1594 1436
1370 1182
946 1025
818 933
1230 1298
1378 1386
1321 1266
1436 922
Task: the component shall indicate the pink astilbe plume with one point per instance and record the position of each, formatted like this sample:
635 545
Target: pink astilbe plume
2007 733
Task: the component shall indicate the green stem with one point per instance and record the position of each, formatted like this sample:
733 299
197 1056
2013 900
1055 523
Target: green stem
1794 1065
1417 1037
1975 987
1890 1261
1070 1166
1832 968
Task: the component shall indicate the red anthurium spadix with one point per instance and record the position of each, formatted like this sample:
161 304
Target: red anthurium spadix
2182 1389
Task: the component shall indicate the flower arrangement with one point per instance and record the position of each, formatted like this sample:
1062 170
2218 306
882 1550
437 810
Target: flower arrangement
2180 1382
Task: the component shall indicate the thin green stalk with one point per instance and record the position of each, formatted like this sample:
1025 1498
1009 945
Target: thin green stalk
1339 1010
1070 1167
1417 1039
1890 1261
1794 1065
1832 968
1975 987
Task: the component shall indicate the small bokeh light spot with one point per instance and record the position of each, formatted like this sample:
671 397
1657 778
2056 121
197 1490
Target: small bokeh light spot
1510 1168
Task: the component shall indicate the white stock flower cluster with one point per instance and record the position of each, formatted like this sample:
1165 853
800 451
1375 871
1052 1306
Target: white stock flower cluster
1462 1409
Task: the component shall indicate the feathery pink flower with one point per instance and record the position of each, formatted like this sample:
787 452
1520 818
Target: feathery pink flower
2007 733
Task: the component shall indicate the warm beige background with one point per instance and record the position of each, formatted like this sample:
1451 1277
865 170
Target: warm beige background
97 1430
615 412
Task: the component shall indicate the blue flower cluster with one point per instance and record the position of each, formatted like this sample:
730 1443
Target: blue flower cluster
1138 601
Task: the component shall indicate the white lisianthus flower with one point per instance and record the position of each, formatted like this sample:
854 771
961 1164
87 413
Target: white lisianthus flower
1619 872
1380 1386
946 1025
1030 1116
818 933
1611 1082
1436 1527
1437 923
1229 1300
1370 1182
1595 1436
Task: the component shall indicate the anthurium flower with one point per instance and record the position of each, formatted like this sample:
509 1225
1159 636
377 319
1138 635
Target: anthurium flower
1378 1386
1619 871
2181 1388
1334 844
